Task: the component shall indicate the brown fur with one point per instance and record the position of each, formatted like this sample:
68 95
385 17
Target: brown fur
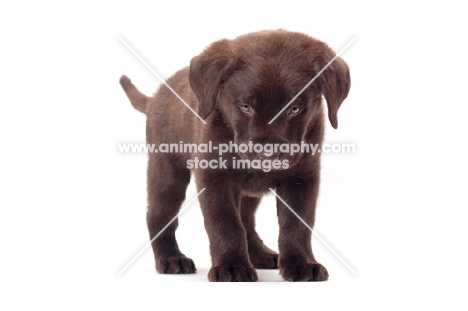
264 70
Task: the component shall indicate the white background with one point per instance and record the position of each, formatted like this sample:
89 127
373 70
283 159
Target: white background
73 208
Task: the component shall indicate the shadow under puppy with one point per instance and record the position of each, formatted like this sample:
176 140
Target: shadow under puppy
238 86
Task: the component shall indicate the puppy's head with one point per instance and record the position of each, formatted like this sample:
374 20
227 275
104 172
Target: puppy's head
248 81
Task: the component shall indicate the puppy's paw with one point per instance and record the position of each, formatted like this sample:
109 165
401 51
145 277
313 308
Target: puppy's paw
263 259
232 274
291 271
175 265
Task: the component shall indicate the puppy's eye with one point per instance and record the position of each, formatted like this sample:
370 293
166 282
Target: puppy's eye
295 110
246 108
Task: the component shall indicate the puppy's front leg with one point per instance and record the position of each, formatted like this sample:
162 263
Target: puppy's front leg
220 204
296 260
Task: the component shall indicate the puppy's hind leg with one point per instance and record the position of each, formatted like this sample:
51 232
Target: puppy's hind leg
167 183
260 255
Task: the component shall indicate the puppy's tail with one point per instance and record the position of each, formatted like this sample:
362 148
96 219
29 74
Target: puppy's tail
137 99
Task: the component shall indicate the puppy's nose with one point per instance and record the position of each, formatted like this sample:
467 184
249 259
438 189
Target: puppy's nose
264 156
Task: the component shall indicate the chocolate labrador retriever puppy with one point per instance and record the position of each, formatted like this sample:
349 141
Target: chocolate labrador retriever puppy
238 86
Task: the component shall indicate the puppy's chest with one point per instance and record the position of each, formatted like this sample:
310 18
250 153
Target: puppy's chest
256 185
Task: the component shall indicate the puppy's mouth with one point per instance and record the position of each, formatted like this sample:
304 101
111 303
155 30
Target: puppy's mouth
279 155
266 156
283 160
260 156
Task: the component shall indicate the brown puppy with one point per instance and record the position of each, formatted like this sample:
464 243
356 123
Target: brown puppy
237 87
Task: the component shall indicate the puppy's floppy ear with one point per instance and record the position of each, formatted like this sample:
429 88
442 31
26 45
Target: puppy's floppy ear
335 84
207 71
